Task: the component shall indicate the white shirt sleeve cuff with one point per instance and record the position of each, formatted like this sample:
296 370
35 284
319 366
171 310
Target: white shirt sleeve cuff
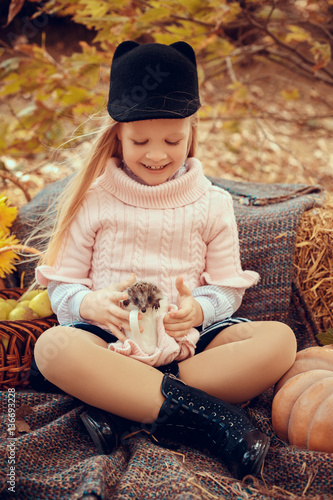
75 303
208 311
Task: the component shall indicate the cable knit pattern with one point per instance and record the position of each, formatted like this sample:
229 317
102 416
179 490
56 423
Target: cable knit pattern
166 244
182 227
199 251
141 230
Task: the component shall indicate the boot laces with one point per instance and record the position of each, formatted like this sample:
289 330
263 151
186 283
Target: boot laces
216 427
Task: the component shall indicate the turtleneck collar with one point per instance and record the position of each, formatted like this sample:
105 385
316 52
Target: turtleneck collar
172 194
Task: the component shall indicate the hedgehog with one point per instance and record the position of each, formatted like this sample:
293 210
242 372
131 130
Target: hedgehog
144 294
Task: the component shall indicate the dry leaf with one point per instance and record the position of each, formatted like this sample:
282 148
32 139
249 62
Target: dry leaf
14 8
21 426
23 411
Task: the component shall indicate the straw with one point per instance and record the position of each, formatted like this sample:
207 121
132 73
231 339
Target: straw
313 267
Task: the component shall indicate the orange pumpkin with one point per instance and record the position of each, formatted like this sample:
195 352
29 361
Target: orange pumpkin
302 410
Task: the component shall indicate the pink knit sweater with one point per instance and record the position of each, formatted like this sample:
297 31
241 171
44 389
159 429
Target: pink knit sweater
182 227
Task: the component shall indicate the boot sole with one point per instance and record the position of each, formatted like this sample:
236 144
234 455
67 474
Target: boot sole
96 436
260 457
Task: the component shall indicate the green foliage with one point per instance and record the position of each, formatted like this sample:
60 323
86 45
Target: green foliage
326 338
45 100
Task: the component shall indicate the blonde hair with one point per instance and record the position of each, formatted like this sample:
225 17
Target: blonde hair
105 146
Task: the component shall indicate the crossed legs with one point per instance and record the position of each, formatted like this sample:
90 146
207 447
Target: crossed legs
240 363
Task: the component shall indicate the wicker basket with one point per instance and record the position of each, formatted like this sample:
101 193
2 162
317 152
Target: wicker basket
15 360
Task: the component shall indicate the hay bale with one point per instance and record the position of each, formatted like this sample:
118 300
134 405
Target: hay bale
313 267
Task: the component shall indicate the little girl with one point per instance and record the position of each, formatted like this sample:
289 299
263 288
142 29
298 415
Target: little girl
141 208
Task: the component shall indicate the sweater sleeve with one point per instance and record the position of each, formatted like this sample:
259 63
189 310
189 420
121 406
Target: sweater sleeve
73 263
223 264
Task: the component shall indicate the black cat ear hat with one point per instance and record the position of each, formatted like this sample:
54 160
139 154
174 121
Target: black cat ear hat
153 80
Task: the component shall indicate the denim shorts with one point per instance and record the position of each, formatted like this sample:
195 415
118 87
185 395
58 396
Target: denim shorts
39 383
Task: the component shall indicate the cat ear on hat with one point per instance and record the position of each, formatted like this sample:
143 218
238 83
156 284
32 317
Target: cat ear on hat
185 49
124 47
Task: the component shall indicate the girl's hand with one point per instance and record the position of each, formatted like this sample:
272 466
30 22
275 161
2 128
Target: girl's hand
103 306
189 314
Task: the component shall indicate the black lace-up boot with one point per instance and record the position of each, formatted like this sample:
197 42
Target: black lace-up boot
190 416
107 430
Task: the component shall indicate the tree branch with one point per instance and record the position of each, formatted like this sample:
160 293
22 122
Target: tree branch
12 178
278 57
278 42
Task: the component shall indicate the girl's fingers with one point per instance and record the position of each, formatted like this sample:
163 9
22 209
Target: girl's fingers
178 333
119 313
120 320
178 327
181 315
182 289
177 318
118 296
117 333
117 327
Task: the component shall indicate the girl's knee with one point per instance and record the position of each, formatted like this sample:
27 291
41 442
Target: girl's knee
50 347
285 344
286 336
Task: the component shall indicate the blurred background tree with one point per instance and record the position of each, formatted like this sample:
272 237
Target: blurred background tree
265 71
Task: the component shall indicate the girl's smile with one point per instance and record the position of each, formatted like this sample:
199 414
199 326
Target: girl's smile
154 168
155 149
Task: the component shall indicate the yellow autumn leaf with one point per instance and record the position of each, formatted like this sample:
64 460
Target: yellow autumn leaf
94 8
154 15
290 95
321 53
297 34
